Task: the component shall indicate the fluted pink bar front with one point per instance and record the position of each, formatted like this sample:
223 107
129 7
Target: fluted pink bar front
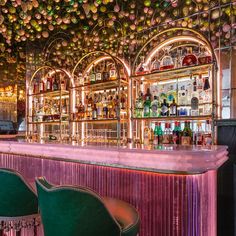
171 201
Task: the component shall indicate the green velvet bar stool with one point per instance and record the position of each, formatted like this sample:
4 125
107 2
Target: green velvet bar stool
18 203
79 211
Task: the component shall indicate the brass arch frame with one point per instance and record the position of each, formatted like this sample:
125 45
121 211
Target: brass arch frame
202 37
114 58
52 69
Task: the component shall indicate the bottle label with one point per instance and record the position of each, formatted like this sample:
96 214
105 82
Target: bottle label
173 110
166 139
98 76
185 140
146 110
164 109
154 108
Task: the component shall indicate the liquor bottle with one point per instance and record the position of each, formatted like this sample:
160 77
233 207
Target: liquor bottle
94 112
112 73
177 133
98 75
64 107
186 138
160 134
166 135
167 62
155 65
198 135
147 106
146 136
89 107
156 133
173 108
123 99
208 134
105 73
105 108
92 76
63 84
41 86
142 68
154 107
194 100
55 85
116 105
164 108
36 87
80 80
82 110
190 59
110 105
139 106
49 84
99 106
204 57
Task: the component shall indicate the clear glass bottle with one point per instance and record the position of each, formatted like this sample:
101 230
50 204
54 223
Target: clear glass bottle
94 112
166 135
98 75
112 72
198 135
173 108
167 62
41 86
155 65
154 107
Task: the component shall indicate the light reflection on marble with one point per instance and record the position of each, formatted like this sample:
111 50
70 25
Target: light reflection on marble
167 158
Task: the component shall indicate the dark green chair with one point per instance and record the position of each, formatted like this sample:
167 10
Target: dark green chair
79 211
18 203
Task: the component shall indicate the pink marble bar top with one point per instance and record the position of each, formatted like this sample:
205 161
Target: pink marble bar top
168 158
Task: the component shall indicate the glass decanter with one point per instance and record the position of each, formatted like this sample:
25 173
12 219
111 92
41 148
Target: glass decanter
167 62
190 59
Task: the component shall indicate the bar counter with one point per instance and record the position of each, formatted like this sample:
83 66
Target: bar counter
173 187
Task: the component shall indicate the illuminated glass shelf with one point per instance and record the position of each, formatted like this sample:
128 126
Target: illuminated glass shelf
51 93
170 118
102 85
174 73
111 120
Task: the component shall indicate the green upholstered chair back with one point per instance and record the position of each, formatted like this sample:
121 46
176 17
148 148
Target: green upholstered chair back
73 211
17 198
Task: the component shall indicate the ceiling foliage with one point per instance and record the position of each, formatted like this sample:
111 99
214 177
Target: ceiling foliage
48 30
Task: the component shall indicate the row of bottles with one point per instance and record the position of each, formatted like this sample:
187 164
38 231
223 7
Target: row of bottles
98 74
49 110
102 105
185 136
175 59
163 103
50 84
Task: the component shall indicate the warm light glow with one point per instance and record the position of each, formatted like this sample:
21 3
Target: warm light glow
103 58
174 40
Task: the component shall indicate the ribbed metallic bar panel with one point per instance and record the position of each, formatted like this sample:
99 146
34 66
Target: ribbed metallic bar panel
169 204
